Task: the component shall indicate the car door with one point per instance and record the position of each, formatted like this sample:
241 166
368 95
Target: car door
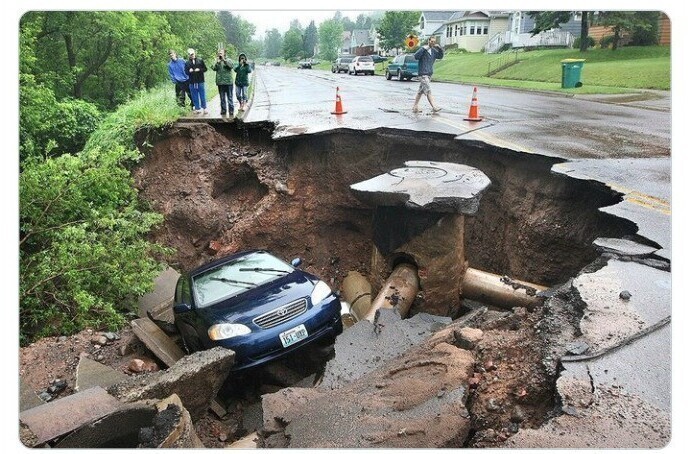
186 318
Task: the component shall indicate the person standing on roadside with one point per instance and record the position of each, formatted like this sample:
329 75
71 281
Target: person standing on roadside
223 71
179 77
242 71
427 55
195 69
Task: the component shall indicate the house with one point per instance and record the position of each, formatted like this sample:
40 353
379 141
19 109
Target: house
361 42
346 42
431 21
519 33
471 30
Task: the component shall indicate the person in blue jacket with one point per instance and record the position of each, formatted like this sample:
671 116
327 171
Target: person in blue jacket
179 78
427 55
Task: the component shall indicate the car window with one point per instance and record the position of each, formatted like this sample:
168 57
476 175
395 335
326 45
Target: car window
347 60
409 59
368 59
232 278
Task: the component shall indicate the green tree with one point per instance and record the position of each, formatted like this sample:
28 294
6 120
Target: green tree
395 26
292 45
546 20
363 22
622 21
273 44
649 34
348 25
311 39
255 49
330 39
238 31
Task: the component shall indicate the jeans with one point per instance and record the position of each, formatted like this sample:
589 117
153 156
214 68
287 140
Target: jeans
241 93
180 89
226 102
198 95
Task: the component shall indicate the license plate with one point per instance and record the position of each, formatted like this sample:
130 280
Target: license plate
294 335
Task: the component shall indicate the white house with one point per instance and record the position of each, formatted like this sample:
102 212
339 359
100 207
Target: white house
471 30
430 21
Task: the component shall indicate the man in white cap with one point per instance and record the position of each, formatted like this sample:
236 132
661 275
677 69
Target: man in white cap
195 69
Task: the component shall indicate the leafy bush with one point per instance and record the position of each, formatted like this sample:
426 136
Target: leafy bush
84 256
606 41
578 40
647 33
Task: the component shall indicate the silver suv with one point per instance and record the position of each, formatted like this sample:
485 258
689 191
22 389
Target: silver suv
341 64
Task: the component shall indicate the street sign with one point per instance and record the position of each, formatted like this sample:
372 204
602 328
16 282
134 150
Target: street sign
411 41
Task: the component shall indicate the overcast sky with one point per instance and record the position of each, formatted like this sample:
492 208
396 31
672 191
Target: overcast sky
266 20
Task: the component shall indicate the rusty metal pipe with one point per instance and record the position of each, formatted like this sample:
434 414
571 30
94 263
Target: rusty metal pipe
356 290
399 291
493 289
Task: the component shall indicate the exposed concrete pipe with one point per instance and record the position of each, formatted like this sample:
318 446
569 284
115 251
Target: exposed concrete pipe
500 291
356 290
399 291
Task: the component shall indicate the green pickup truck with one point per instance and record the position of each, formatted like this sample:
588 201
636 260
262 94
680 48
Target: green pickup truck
403 67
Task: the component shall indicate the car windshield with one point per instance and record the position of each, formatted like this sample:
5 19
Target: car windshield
237 276
346 60
409 59
365 59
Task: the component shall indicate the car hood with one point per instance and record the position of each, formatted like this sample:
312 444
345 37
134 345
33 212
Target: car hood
246 306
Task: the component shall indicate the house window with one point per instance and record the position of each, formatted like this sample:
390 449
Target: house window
486 30
421 23
471 29
456 29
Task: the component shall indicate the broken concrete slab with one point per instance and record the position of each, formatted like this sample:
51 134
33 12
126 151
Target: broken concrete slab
195 378
161 298
27 397
119 429
433 186
366 346
416 400
62 416
623 247
91 373
172 427
157 341
246 442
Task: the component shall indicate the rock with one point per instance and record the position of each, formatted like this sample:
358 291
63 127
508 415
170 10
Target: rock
625 295
518 414
99 357
62 338
45 396
223 437
136 365
100 340
467 338
570 410
111 336
577 347
492 405
214 247
490 366
123 349
281 188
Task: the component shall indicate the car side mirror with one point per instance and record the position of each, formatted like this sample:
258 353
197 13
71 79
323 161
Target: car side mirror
182 308
296 262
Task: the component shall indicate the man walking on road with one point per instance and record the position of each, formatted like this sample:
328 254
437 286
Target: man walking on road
427 55
179 77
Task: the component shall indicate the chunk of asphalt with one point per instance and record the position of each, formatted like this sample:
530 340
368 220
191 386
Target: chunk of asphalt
623 247
433 186
365 346
91 373
157 341
27 397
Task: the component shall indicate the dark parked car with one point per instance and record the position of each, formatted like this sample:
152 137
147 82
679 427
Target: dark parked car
305 64
341 64
403 67
378 58
256 305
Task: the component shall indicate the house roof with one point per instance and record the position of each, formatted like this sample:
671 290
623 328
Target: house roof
362 37
440 30
437 15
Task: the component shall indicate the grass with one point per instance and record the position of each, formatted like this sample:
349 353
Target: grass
605 71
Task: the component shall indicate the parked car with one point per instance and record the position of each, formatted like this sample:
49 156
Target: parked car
256 305
341 64
378 58
305 64
403 67
364 65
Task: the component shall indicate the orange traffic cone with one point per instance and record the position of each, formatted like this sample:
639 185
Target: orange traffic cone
474 108
338 103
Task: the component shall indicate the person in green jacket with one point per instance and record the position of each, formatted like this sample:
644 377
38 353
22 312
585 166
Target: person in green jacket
223 71
242 71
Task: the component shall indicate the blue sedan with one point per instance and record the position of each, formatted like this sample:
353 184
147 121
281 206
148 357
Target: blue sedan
256 305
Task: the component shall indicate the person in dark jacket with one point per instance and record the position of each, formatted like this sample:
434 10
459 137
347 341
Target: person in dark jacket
179 77
427 55
242 71
195 69
223 71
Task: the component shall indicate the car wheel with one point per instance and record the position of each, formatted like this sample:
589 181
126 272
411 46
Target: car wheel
400 76
333 70
388 75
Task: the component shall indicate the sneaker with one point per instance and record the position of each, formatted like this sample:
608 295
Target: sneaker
222 114
416 109
195 112
205 112
436 109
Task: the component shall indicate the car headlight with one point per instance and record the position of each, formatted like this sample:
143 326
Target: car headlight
227 330
320 292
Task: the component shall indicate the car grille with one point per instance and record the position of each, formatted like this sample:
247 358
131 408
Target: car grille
282 314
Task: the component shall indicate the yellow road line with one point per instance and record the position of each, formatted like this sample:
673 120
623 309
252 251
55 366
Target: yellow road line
484 136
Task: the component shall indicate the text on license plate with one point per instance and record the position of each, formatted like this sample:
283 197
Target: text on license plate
293 335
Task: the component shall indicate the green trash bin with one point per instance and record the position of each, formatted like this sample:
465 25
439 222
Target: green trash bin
571 72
